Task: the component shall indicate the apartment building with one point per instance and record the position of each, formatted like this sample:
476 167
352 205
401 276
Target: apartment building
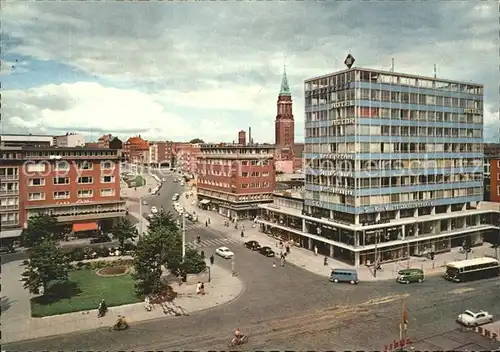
103 141
491 182
22 140
136 150
69 140
161 154
233 179
394 166
186 155
81 186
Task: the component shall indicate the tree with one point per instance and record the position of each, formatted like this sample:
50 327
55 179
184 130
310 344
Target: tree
47 262
163 219
123 230
193 263
196 141
147 267
41 227
467 247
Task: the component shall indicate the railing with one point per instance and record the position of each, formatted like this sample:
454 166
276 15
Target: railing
9 177
9 207
9 192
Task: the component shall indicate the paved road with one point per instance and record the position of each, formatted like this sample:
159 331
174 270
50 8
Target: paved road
290 308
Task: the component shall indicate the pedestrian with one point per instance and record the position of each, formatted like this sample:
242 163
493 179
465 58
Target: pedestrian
282 261
242 233
206 223
287 248
198 288
274 265
209 221
202 289
315 250
202 253
325 261
212 259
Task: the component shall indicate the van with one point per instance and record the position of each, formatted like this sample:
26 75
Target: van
407 276
344 275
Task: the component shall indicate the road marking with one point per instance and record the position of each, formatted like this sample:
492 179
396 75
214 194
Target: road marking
458 291
383 300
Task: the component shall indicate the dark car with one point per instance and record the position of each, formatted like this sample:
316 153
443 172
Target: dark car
267 251
253 245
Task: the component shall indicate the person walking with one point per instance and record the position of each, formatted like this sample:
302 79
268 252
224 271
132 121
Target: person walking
315 250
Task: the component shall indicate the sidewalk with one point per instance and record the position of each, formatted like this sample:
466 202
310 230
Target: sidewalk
306 259
222 289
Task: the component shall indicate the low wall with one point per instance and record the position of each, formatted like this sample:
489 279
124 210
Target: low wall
491 331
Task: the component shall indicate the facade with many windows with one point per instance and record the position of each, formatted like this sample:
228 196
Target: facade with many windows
234 179
392 160
81 186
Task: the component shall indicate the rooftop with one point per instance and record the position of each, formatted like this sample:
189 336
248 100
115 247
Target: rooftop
393 74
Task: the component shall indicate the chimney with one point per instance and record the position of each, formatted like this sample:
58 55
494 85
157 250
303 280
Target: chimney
250 140
242 137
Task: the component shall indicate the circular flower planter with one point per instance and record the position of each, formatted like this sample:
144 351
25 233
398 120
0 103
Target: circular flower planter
113 271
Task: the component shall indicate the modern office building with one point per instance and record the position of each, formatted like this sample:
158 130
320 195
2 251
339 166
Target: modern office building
81 186
394 166
69 140
234 179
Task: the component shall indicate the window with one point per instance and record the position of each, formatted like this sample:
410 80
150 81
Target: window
244 174
256 185
265 174
37 182
62 166
265 184
107 179
36 196
107 165
85 179
255 174
498 164
85 193
85 165
244 185
244 162
61 195
61 180
107 192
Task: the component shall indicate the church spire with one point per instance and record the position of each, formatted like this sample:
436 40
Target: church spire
285 89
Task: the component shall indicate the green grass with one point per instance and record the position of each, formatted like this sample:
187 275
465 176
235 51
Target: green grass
84 291
138 181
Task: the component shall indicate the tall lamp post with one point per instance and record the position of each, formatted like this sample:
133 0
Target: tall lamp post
183 237
140 217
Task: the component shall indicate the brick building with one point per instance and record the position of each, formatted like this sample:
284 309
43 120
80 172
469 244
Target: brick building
234 179
186 157
81 186
161 154
136 150
491 172
103 142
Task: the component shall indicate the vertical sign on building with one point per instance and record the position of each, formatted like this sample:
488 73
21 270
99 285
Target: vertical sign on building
349 61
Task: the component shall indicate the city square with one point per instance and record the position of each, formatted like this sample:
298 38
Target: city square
221 193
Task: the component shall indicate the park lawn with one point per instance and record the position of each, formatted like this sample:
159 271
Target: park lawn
84 291
138 181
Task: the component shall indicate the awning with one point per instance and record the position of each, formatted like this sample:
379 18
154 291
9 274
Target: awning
10 233
86 226
204 201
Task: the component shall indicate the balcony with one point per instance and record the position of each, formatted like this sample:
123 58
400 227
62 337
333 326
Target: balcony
8 208
9 192
9 177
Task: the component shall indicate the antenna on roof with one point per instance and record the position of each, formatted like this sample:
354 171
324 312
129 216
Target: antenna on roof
435 71
392 65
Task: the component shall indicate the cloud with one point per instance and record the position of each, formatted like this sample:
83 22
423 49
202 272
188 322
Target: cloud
82 107
202 61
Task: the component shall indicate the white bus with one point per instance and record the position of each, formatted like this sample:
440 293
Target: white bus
472 269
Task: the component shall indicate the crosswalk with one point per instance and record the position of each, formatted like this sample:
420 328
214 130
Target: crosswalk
213 242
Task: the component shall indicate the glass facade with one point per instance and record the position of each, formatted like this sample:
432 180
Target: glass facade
384 145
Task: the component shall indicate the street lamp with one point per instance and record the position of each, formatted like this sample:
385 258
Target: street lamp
140 217
183 236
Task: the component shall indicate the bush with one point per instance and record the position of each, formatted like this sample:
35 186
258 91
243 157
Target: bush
77 254
128 246
80 265
98 265
102 252
193 262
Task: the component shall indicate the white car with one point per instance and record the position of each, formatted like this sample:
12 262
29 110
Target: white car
469 318
154 210
224 252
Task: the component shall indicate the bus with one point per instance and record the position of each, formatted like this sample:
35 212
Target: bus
472 269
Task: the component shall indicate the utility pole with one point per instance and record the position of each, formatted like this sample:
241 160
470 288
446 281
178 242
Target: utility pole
183 237
377 234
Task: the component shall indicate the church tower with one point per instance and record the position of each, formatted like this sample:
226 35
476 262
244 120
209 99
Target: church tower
284 125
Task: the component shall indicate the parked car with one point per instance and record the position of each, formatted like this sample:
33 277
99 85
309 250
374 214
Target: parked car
267 251
224 252
344 275
175 197
144 202
7 249
253 245
407 276
154 210
470 318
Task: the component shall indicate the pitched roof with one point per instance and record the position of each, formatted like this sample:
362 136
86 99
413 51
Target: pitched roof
285 89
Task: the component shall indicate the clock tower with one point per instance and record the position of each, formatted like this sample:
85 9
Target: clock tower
284 124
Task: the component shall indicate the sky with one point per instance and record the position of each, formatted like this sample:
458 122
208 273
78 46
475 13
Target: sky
184 70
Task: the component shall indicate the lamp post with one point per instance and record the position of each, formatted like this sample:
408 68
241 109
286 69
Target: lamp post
183 237
140 217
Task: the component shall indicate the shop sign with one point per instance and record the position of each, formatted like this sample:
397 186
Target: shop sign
342 104
316 203
343 191
326 172
84 201
472 111
404 206
349 121
336 156
63 203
